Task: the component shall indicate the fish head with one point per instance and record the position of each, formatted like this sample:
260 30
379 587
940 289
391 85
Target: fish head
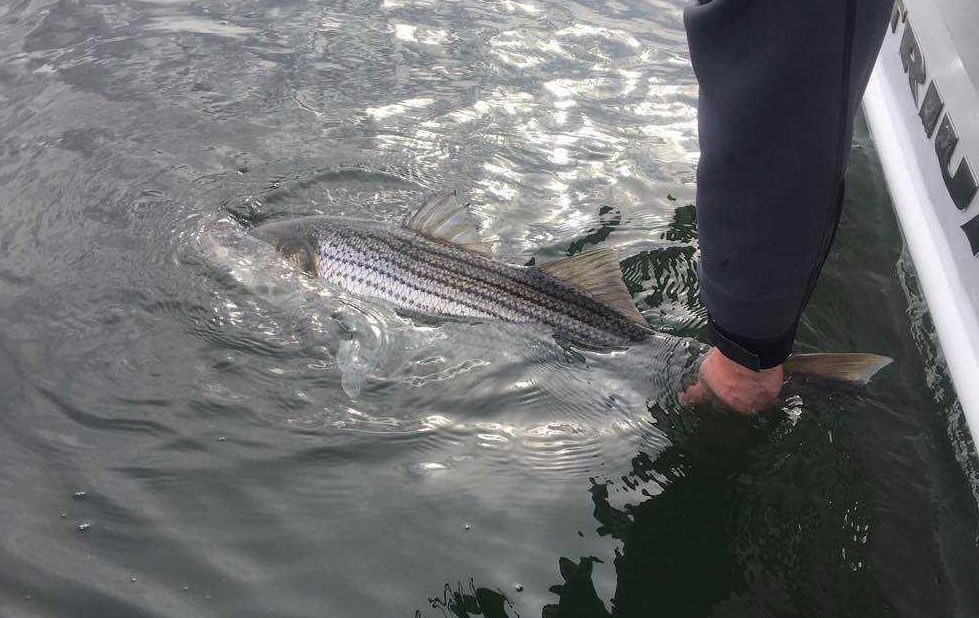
222 240
253 261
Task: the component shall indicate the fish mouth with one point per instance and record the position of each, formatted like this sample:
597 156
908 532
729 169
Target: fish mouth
225 242
219 236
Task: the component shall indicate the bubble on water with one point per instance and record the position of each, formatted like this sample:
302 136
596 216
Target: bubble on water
83 527
467 527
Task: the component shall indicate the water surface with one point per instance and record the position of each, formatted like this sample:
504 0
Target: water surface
173 443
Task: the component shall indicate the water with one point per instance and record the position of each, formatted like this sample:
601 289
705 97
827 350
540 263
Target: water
174 442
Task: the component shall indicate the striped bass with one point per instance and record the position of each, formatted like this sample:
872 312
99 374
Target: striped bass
436 264
427 267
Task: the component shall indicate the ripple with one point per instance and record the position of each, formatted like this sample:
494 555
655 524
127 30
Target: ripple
252 446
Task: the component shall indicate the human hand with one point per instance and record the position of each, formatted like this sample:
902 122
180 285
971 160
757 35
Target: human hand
730 385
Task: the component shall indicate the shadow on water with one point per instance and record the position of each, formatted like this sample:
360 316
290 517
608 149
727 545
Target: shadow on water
662 281
743 515
470 601
739 516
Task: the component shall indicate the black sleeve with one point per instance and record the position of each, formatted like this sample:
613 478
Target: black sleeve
780 81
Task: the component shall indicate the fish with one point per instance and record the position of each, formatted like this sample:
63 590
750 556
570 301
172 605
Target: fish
433 266
437 264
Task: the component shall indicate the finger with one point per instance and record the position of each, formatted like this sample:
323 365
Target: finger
694 394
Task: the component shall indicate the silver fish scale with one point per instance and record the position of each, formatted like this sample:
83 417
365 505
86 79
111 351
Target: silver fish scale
371 268
436 278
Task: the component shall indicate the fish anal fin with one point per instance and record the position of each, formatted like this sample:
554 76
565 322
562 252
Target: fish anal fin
598 274
852 368
443 218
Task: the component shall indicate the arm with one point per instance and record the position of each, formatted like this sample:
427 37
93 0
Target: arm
780 82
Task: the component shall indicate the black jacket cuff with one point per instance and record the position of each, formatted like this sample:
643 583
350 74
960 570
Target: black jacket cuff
755 354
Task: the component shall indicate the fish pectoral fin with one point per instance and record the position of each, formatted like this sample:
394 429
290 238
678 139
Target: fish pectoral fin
853 368
443 218
598 274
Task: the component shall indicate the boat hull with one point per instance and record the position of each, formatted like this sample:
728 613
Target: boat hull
922 106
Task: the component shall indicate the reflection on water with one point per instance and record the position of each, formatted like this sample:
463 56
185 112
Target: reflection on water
468 602
732 503
737 516
182 436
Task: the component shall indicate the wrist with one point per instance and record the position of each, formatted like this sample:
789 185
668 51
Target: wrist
751 353
734 368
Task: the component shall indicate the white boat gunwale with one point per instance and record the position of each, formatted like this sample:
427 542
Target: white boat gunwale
922 106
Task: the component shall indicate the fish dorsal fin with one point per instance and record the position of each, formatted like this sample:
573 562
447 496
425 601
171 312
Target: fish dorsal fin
597 273
443 218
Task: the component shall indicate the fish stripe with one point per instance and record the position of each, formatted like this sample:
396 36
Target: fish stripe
428 276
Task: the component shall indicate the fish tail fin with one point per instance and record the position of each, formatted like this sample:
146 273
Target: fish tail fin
852 368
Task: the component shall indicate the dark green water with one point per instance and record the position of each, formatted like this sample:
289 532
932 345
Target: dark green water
172 444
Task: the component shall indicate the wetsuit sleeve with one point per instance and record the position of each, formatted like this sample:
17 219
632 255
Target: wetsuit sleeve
780 81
